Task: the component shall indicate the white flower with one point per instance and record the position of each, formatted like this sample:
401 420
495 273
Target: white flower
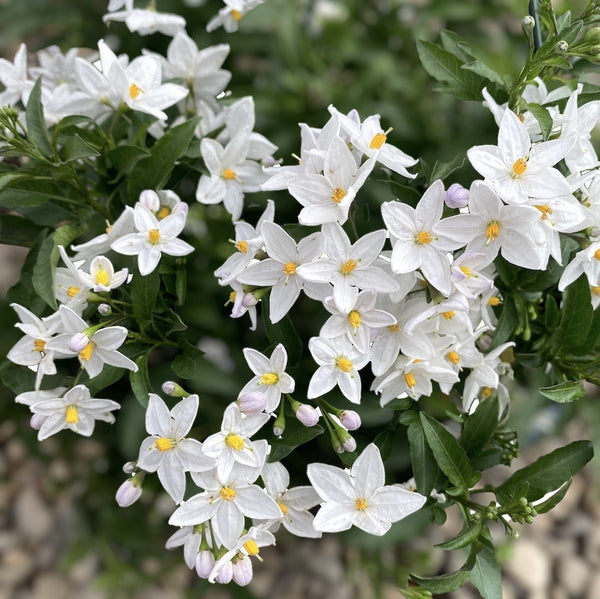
359 496
154 237
229 16
17 85
102 275
75 410
166 451
147 21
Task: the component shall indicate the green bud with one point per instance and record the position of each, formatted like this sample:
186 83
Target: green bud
527 23
561 47
529 519
592 35
523 501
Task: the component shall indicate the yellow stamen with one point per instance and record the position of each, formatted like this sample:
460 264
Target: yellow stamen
232 296
338 195
39 345
449 315
108 229
228 174
101 277
251 547
73 291
349 266
494 301
453 357
424 237
242 246
87 351
394 328
163 444
597 254
354 318
269 378
492 231
163 212
72 416
466 271
154 236
134 91
236 14
289 268
486 392
282 507
409 379
544 209
596 289
235 442
519 167
521 118
361 504
228 494
378 140
344 364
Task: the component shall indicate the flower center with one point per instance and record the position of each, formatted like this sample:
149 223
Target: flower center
251 547
154 236
544 209
39 345
234 441
134 91
242 246
377 141
361 504
282 507
519 167
466 271
350 265
72 416
163 212
338 195
596 289
87 351
228 494
597 254
492 231
343 364
394 328
232 296
163 444
236 14
73 291
289 268
486 392
409 379
493 301
354 318
424 237
453 357
228 174
269 378
449 315
101 277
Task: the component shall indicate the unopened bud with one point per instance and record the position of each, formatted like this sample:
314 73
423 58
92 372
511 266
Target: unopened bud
242 571
561 47
457 196
527 23
128 493
249 300
254 402
350 419
307 415
104 310
205 562
36 421
172 389
129 467
347 441
78 342
149 199
592 35
225 574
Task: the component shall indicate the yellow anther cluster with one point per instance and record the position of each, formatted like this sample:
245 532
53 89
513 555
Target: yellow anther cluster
344 364
163 444
449 314
154 236
234 441
228 494
228 174
242 246
354 318
73 291
544 209
453 357
134 91
163 212
72 416
282 507
289 268
424 237
466 271
269 378
251 547
378 140
349 266
87 351
39 345
338 195
519 166
410 380
492 231
361 504
101 277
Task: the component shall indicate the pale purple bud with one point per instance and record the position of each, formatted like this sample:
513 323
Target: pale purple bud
172 389
225 573
242 571
456 196
36 421
78 342
350 419
129 467
205 562
277 430
180 207
307 415
149 199
252 403
104 310
128 493
349 444
249 300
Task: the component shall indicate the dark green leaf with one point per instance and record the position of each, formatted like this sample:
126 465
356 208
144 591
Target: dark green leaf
16 230
548 472
487 459
44 271
486 575
484 71
480 426
108 376
144 293
577 312
36 125
506 323
295 434
543 117
18 379
425 468
591 339
551 313
75 149
187 363
553 500
124 158
445 583
441 170
181 284
449 455
140 384
456 45
564 392
283 332
465 537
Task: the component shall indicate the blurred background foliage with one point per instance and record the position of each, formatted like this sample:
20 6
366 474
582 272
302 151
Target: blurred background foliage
295 57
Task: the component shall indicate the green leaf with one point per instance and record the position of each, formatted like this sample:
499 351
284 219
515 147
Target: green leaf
484 71
543 117
445 583
75 149
16 230
295 434
547 473
577 312
554 499
465 537
144 293
124 158
591 339
487 459
456 45
187 363
441 170
449 455
425 468
479 427
283 332
17 378
506 323
36 125
486 574
564 392
153 172
551 313
108 376
140 383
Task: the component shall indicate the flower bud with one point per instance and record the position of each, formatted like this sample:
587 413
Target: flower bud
242 571
36 421
254 402
561 47
347 441
457 196
350 419
592 35
129 467
307 415
128 493
104 310
225 574
78 342
205 562
172 389
527 23
249 300
149 199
